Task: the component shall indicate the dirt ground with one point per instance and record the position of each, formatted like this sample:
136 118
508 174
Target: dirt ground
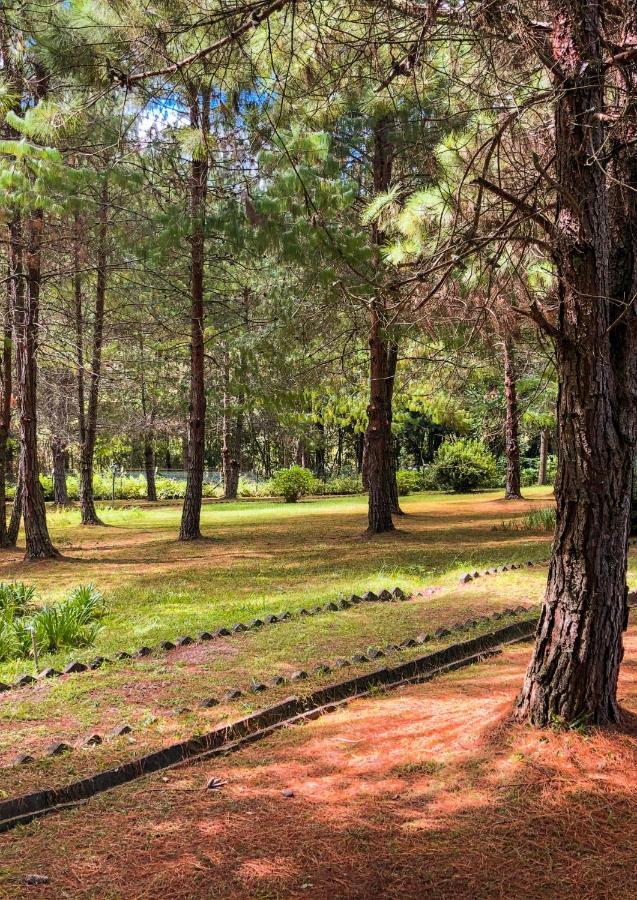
426 792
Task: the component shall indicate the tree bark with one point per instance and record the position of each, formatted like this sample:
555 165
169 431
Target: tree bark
88 416
378 468
378 457
232 441
544 451
25 319
191 513
16 510
392 361
512 489
15 284
574 669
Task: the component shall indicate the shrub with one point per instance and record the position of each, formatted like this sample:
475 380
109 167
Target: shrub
463 465
293 483
408 481
73 622
339 484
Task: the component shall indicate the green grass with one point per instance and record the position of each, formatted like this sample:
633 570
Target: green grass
259 557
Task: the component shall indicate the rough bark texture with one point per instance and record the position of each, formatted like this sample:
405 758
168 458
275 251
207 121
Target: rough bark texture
25 319
574 668
512 444
378 466
14 284
544 452
88 416
191 513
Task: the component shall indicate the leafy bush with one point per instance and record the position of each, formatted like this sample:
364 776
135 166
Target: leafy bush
73 622
463 465
293 483
408 482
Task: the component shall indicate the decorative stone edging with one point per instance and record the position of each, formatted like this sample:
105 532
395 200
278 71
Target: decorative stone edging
76 667
257 687
225 738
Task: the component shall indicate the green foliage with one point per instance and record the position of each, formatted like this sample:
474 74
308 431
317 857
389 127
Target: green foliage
463 465
540 519
73 622
408 482
340 484
293 483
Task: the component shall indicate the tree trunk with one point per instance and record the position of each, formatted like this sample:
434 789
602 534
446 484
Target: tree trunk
191 513
149 467
392 361
378 469
25 318
378 457
15 284
512 444
319 454
88 416
575 664
58 451
16 511
544 451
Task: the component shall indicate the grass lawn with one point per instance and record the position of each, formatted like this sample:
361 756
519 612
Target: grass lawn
261 557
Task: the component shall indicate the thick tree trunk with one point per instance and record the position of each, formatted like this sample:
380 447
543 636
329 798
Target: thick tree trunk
15 275
25 319
191 513
58 452
512 444
544 452
378 457
378 469
88 416
575 664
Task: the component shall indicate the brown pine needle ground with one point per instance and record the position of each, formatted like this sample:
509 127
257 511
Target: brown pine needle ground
424 792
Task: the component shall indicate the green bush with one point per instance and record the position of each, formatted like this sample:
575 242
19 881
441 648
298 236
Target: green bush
293 483
73 622
463 465
408 482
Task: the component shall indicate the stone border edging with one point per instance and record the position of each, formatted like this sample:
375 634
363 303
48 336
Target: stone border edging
343 603
57 748
23 809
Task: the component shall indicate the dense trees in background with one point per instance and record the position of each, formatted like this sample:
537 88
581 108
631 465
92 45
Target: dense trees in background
331 234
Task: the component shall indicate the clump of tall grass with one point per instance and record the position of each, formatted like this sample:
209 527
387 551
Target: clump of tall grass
72 622
535 520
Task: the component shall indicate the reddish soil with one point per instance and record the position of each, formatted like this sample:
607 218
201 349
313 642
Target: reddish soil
425 792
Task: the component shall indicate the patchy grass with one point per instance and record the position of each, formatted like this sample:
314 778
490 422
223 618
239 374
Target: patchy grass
425 791
264 556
